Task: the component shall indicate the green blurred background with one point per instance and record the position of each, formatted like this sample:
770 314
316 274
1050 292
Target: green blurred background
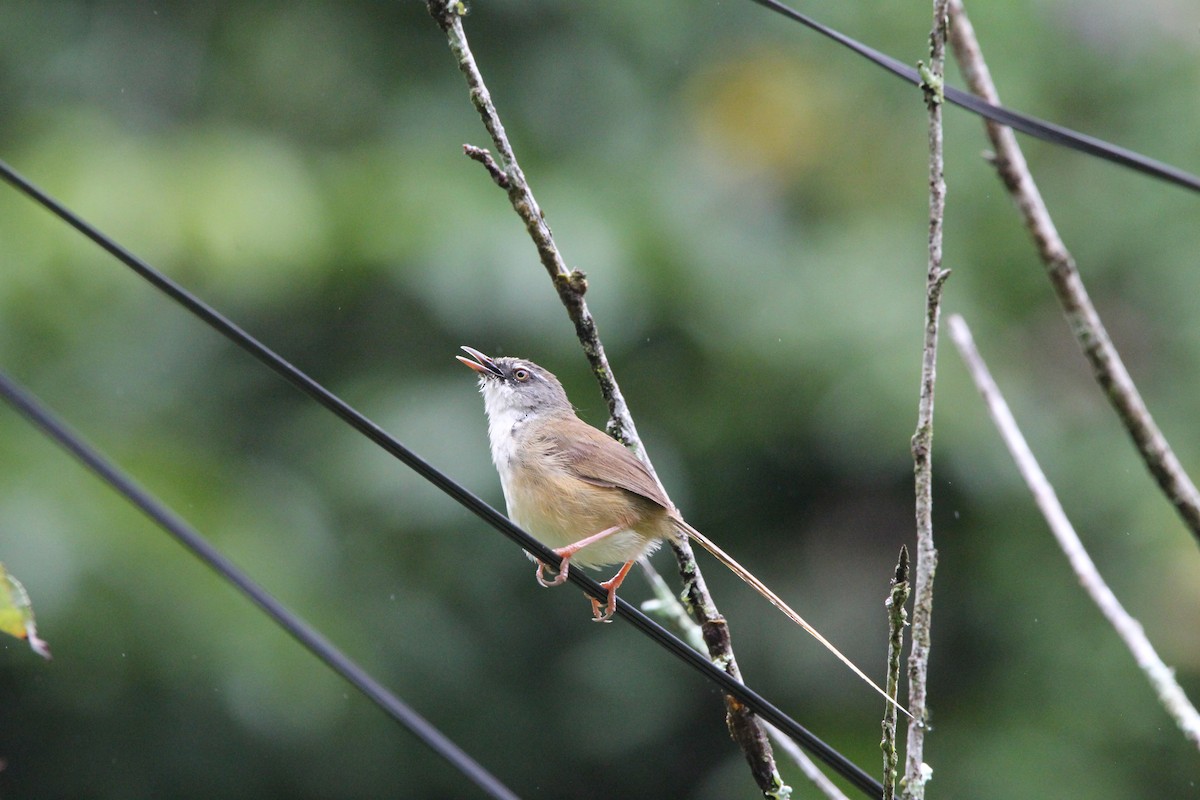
749 203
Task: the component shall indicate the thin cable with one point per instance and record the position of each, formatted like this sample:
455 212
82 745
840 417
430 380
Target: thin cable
1039 129
34 411
835 760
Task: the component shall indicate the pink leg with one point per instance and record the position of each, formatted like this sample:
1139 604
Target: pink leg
567 552
605 613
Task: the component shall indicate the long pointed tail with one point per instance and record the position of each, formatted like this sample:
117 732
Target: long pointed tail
761 588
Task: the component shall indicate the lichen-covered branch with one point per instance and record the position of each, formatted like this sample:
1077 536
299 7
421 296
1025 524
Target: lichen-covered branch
1082 318
746 729
1161 677
897 618
916 773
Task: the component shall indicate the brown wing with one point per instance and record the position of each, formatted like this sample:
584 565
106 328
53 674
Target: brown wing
599 459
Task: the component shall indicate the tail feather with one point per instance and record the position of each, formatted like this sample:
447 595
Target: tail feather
775 600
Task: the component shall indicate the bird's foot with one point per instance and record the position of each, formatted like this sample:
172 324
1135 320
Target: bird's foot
558 579
603 612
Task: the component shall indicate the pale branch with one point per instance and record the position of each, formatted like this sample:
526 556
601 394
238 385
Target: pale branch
897 619
1082 318
669 610
745 728
807 766
1161 677
916 773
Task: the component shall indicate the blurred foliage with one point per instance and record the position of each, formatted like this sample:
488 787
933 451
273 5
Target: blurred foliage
16 613
750 205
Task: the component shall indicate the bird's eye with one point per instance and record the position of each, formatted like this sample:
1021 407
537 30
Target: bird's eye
521 374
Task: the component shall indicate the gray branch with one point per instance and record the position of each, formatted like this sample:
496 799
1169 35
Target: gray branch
1161 677
916 773
1107 367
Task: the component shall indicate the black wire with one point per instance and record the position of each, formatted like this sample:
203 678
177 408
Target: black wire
34 411
1039 129
835 760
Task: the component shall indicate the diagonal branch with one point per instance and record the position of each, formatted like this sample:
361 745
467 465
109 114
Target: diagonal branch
1084 322
806 765
745 728
1161 677
915 771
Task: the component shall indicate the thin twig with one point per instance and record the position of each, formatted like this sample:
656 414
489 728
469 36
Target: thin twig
916 772
1161 677
807 766
1082 318
746 729
666 606
897 619
481 155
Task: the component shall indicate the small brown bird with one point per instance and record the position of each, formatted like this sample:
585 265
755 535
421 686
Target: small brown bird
581 492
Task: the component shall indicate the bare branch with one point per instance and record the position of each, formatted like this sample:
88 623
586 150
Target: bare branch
916 773
746 729
1107 367
897 619
1161 677
806 765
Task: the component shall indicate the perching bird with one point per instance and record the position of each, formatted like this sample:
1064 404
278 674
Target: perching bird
579 491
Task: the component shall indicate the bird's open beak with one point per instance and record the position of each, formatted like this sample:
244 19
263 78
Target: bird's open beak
482 364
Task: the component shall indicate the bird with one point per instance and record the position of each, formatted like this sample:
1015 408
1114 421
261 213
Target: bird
581 492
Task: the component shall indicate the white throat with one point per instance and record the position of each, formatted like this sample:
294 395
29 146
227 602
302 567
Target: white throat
504 420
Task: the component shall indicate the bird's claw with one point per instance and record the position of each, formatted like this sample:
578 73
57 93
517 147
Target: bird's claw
603 612
558 579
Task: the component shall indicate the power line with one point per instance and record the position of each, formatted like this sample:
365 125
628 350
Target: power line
34 411
835 760
1040 129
